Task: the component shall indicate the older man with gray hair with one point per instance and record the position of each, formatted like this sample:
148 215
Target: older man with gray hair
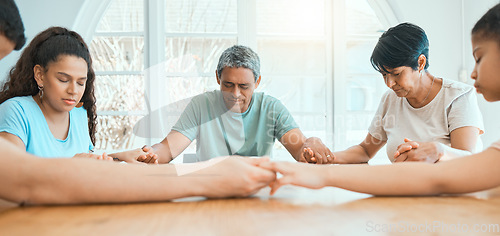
236 121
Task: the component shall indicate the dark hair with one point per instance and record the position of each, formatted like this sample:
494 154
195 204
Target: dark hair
400 45
45 48
488 26
11 24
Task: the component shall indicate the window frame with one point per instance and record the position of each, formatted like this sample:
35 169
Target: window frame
155 35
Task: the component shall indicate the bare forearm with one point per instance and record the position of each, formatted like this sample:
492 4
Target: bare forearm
383 180
171 146
32 180
463 175
164 152
297 155
126 155
353 155
296 150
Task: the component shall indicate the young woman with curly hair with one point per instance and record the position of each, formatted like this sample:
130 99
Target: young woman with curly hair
48 103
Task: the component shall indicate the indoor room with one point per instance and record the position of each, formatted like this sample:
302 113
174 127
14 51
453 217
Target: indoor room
268 117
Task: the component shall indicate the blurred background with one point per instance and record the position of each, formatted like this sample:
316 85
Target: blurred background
153 54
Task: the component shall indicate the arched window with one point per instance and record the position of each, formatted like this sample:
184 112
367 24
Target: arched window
314 58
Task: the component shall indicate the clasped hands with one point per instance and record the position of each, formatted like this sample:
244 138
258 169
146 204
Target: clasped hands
418 151
314 151
313 176
299 174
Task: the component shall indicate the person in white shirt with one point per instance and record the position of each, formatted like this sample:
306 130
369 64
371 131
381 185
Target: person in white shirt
422 117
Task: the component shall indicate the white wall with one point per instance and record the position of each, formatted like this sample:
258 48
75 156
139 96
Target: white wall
441 19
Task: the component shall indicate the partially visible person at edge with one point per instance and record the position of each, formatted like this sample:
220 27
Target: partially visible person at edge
11 28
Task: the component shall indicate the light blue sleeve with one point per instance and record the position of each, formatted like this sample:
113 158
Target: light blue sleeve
284 121
13 120
188 123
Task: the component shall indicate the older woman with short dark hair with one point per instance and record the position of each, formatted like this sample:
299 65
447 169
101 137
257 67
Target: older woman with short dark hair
422 117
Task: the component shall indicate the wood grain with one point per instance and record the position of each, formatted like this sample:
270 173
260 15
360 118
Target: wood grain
292 211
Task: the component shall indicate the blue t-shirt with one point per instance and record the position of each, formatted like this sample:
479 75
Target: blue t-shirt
221 132
21 116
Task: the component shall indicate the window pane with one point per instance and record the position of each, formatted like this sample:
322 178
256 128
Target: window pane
361 18
291 17
123 16
120 93
201 16
116 132
364 85
364 93
314 124
358 56
292 57
195 55
117 53
298 94
172 95
294 68
175 89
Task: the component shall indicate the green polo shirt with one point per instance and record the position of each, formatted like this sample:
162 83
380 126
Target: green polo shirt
221 132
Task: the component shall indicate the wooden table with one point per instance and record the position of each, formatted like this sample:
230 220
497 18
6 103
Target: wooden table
292 211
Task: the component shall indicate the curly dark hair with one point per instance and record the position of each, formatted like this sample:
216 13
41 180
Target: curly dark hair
45 48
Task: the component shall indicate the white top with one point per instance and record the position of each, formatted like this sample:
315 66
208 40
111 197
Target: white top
454 106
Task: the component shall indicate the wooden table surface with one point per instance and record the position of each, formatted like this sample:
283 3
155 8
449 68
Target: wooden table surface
291 211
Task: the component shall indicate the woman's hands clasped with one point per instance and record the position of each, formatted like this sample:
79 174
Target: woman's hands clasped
418 151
